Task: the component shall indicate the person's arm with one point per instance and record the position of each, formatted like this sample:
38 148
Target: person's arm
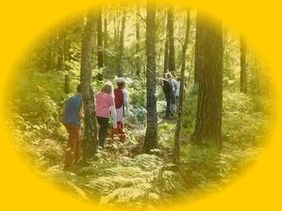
81 111
114 116
113 111
125 101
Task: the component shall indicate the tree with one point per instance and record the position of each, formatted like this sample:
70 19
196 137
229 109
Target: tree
209 65
138 60
169 54
166 52
66 58
243 64
90 124
181 91
152 119
50 54
170 27
121 47
105 40
199 49
100 38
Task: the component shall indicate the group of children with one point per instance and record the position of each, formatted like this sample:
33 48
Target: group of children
113 103
110 102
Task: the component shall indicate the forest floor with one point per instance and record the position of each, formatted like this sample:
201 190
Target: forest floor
121 175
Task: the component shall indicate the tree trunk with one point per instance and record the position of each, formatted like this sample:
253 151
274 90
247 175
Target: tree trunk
120 68
199 49
50 55
243 64
100 39
67 45
90 124
60 58
170 26
209 109
181 92
152 119
138 59
105 40
166 53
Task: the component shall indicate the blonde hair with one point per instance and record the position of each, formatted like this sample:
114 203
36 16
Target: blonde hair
168 75
107 88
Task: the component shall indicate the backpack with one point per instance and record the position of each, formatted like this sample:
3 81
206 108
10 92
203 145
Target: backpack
167 86
118 98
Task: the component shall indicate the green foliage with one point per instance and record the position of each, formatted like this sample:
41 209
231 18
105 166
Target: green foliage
134 182
190 109
206 166
241 123
119 174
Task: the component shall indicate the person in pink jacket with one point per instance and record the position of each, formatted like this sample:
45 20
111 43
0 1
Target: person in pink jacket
105 108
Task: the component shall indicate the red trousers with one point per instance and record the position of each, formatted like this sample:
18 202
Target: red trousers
73 146
119 132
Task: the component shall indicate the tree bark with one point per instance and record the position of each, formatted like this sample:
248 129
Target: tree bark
90 124
100 39
209 108
170 26
120 68
243 64
152 119
199 49
105 40
50 60
166 53
181 92
138 59
67 46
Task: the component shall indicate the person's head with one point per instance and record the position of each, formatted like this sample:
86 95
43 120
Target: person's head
78 88
107 88
168 75
121 83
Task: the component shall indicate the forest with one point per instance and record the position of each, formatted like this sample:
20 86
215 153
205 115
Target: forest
218 129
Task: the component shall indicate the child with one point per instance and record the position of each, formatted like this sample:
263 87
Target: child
177 92
121 105
72 115
105 107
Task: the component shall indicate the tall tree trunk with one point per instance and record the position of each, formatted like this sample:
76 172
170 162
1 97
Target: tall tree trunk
166 53
105 40
170 26
60 58
100 39
209 109
90 130
120 68
166 50
152 119
181 92
50 55
138 59
243 64
67 46
199 49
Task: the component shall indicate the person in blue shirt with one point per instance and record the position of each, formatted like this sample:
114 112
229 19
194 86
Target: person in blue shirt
72 115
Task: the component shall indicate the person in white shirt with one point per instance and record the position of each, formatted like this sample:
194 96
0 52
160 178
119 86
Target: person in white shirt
121 105
177 92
